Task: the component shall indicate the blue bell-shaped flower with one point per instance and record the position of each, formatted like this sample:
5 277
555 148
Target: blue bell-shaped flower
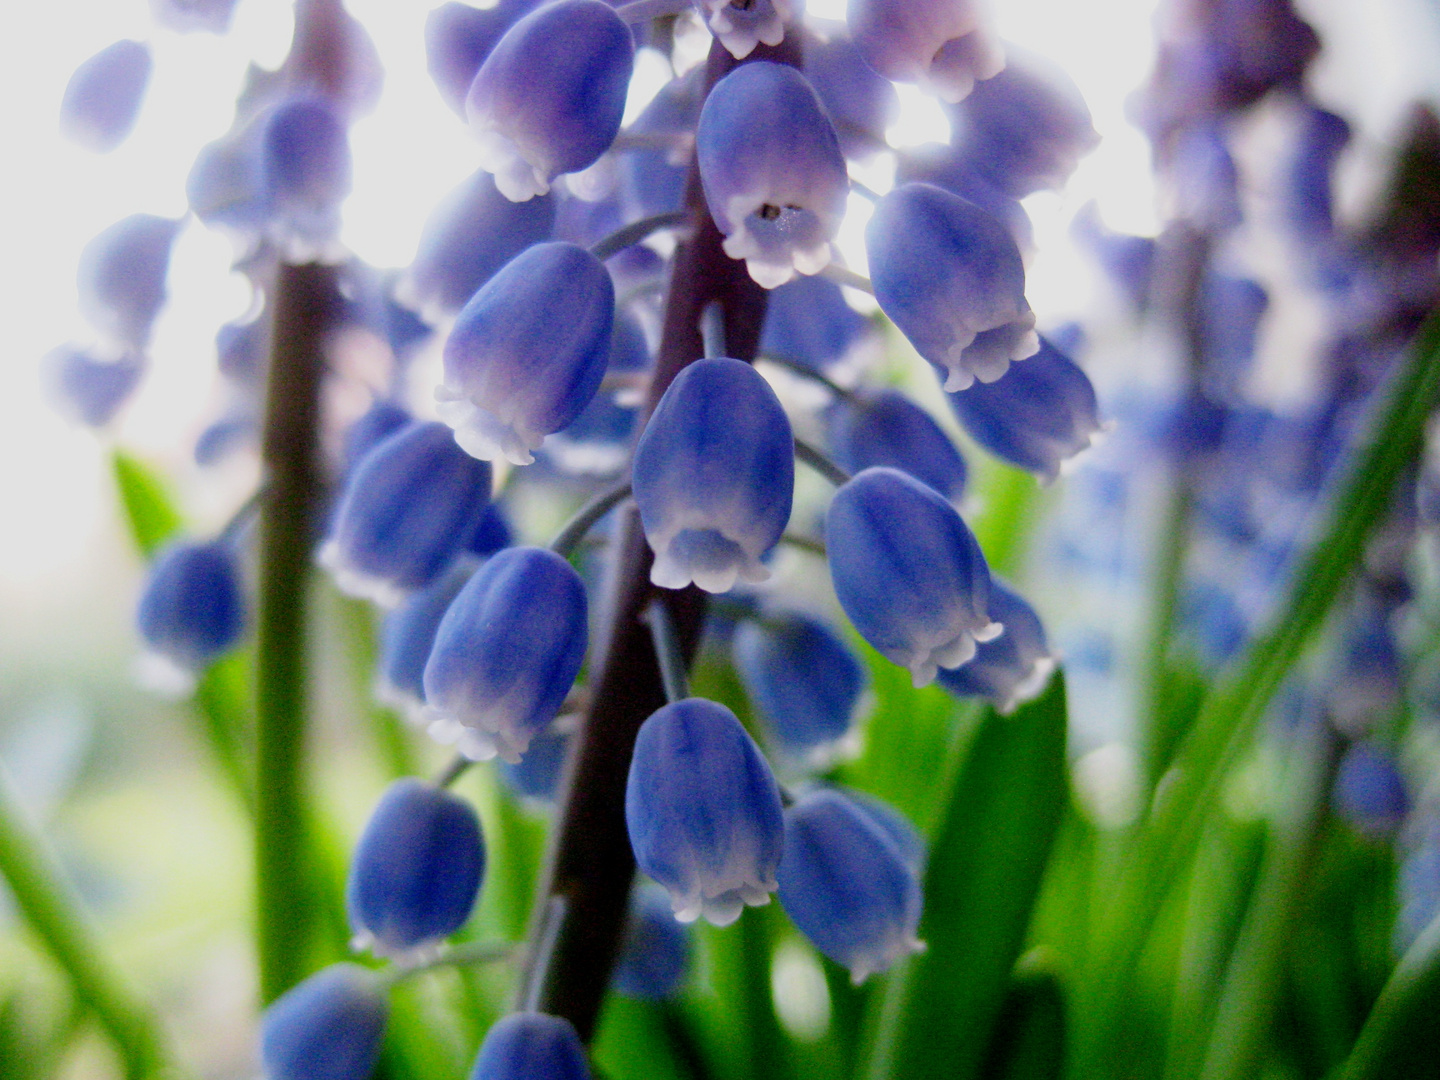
375 425
943 45
808 322
459 37
507 653
598 441
742 25
407 511
549 97
528 351
773 173
714 476
847 885
193 607
950 277
802 680
121 277
531 1046
226 184
1013 668
240 351
88 388
884 427
328 1027
408 635
102 99
416 871
1038 415
306 169
908 572
859 102
703 811
468 237
656 949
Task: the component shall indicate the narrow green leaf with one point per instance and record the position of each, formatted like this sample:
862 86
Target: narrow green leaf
222 700
986 861
1029 1038
633 1041
149 508
1398 1039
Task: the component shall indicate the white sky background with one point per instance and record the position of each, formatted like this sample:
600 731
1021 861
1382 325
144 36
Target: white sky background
55 505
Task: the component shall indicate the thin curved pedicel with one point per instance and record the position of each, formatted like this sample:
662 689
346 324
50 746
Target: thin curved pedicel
102 99
506 654
407 511
884 427
774 177
531 1046
528 352
1013 668
121 277
950 277
847 885
416 870
714 476
703 811
193 607
908 572
1037 416
742 26
549 97
943 45
328 1027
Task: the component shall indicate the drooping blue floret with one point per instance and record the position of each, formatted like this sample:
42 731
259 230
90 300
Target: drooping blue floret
908 572
846 885
1306 197
407 636
458 38
943 45
1037 416
802 680
743 25
376 424
531 1046
193 606
950 277
329 1027
1026 129
652 179
102 99
597 442
121 277
1369 790
507 653
1013 668
537 775
406 513
191 16
306 168
808 322
859 102
884 427
491 534
226 184
948 167
714 476
469 236
528 351
774 177
88 388
240 351
549 97
416 870
703 811
656 948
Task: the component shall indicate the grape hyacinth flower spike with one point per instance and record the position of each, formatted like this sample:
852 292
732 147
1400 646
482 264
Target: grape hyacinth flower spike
329 1027
531 1046
1037 416
416 871
528 352
102 99
773 173
549 97
703 811
950 277
943 45
714 476
408 510
1013 668
191 612
908 572
743 25
847 884
506 654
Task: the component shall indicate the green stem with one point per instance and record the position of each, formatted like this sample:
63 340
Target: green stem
306 299
1163 732
574 530
54 914
1398 1039
629 235
818 460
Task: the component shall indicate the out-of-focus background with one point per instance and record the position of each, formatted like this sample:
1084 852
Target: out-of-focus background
109 769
